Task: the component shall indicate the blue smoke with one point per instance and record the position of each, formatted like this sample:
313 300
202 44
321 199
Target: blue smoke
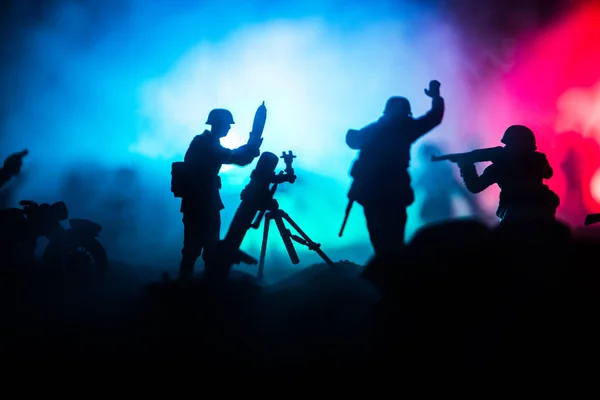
106 95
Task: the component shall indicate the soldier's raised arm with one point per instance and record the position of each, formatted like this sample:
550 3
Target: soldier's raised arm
241 156
434 116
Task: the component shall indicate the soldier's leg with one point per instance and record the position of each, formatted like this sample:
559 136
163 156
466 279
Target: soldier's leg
386 225
210 238
192 246
375 226
398 226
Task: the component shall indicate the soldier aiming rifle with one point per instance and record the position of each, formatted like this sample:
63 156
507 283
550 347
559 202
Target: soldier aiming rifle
197 182
518 169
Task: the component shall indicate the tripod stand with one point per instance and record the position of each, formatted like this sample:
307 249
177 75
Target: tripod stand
278 215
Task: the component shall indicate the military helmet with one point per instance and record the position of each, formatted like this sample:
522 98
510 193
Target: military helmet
220 115
397 106
519 136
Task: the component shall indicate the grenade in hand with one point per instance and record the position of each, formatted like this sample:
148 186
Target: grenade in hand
260 117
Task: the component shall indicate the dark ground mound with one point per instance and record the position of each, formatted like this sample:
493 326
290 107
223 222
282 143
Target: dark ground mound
459 296
316 312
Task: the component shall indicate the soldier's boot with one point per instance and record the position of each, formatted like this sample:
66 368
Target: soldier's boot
186 269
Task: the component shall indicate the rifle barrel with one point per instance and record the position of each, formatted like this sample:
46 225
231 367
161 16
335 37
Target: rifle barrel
591 219
348 209
440 158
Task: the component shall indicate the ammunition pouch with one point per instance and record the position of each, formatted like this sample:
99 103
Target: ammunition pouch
179 179
541 202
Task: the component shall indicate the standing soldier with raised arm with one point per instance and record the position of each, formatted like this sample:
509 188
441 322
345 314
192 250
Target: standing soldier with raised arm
196 180
381 180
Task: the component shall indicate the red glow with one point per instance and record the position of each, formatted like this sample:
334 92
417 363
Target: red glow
554 87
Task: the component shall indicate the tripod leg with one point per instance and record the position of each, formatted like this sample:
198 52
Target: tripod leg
263 247
285 236
311 245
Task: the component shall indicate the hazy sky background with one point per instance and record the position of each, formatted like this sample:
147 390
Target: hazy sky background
97 87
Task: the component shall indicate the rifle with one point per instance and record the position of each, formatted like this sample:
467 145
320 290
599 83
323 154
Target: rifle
592 219
348 209
480 155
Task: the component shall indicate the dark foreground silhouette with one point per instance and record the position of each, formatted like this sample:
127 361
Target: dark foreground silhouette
459 296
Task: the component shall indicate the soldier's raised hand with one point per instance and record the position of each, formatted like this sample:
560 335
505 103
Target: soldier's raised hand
14 162
434 89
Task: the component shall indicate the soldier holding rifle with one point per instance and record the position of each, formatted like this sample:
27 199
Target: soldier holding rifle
519 170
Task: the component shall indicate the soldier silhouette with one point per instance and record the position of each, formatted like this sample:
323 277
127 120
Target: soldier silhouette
12 166
201 203
381 182
574 205
519 171
578 165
